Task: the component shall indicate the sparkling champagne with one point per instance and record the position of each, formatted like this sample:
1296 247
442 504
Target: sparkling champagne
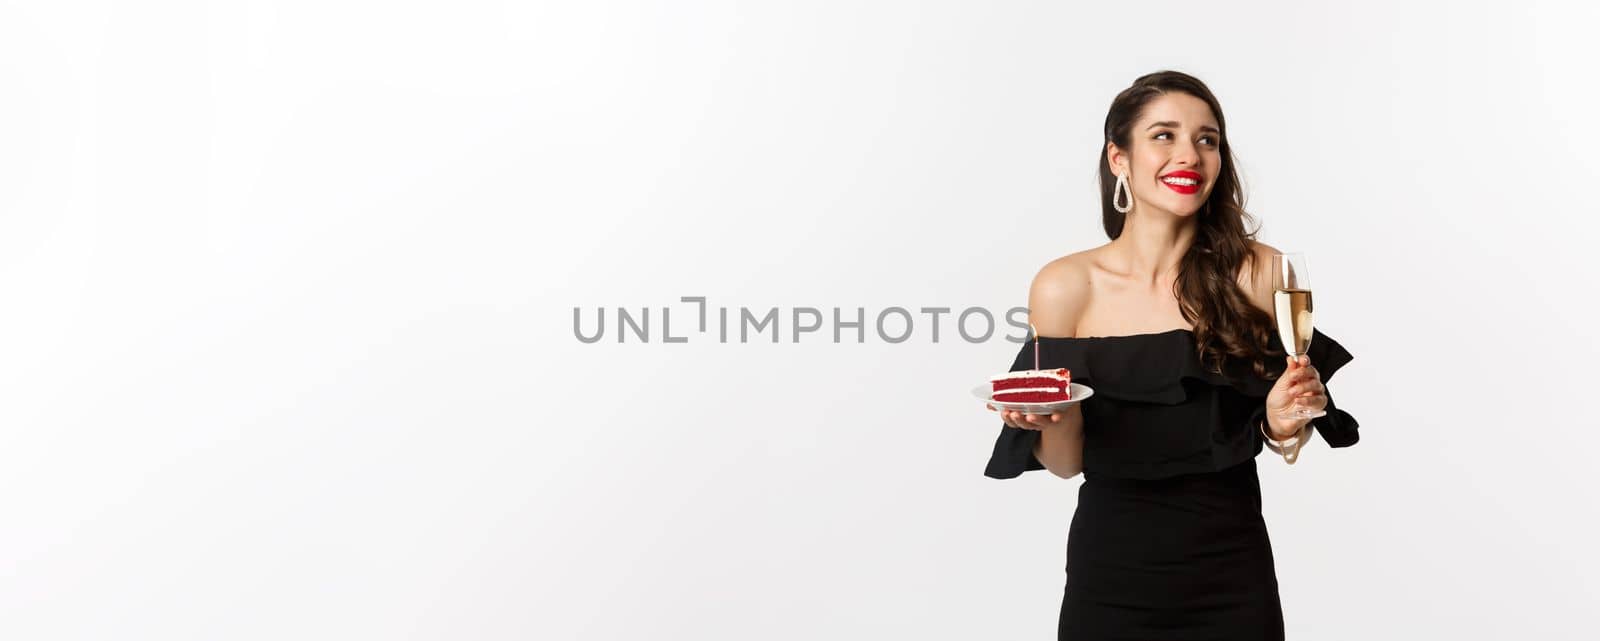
1293 308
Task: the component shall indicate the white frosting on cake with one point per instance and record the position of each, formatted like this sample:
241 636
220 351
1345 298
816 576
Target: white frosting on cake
1034 373
1019 390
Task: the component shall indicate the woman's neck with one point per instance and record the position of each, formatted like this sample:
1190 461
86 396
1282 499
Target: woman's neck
1152 245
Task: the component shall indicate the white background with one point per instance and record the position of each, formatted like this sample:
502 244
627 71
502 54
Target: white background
287 345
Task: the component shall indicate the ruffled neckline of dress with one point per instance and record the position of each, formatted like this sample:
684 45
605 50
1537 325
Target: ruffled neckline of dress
1128 439
1142 367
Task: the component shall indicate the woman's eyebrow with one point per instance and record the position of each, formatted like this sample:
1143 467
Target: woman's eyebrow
1174 125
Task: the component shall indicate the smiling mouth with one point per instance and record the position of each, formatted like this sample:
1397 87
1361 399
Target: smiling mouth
1185 185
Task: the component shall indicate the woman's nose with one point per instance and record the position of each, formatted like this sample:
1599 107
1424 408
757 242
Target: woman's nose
1186 154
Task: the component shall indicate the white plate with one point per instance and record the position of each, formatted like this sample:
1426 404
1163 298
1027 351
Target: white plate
1079 394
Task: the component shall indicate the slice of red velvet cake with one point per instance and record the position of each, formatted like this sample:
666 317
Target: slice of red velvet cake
1033 386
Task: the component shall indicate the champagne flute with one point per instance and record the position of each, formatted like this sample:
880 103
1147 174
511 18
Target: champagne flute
1291 299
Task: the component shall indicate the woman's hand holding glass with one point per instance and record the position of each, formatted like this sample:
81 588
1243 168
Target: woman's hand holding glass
1299 388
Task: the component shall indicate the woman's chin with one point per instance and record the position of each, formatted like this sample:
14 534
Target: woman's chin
1181 208
1189 211
1185 206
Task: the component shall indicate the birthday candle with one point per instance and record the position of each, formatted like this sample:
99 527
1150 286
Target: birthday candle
1035 331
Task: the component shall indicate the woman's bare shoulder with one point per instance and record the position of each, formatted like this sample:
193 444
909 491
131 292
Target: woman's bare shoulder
1255 276
1059 294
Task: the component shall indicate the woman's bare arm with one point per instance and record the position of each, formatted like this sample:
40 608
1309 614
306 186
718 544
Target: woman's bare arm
1060 446
1055 303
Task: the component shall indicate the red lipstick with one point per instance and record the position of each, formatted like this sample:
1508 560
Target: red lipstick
1183 187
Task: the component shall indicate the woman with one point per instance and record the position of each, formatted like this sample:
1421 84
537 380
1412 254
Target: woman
1171 324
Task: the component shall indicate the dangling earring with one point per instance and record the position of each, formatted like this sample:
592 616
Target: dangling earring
1122 190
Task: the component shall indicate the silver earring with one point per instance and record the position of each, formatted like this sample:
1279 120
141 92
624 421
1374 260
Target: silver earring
1122 191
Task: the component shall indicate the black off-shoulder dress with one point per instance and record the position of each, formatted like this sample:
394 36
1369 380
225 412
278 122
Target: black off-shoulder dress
1167 541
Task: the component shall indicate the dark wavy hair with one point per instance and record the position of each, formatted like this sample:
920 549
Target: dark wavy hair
1229 329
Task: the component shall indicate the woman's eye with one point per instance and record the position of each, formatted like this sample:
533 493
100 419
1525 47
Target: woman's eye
1207 140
